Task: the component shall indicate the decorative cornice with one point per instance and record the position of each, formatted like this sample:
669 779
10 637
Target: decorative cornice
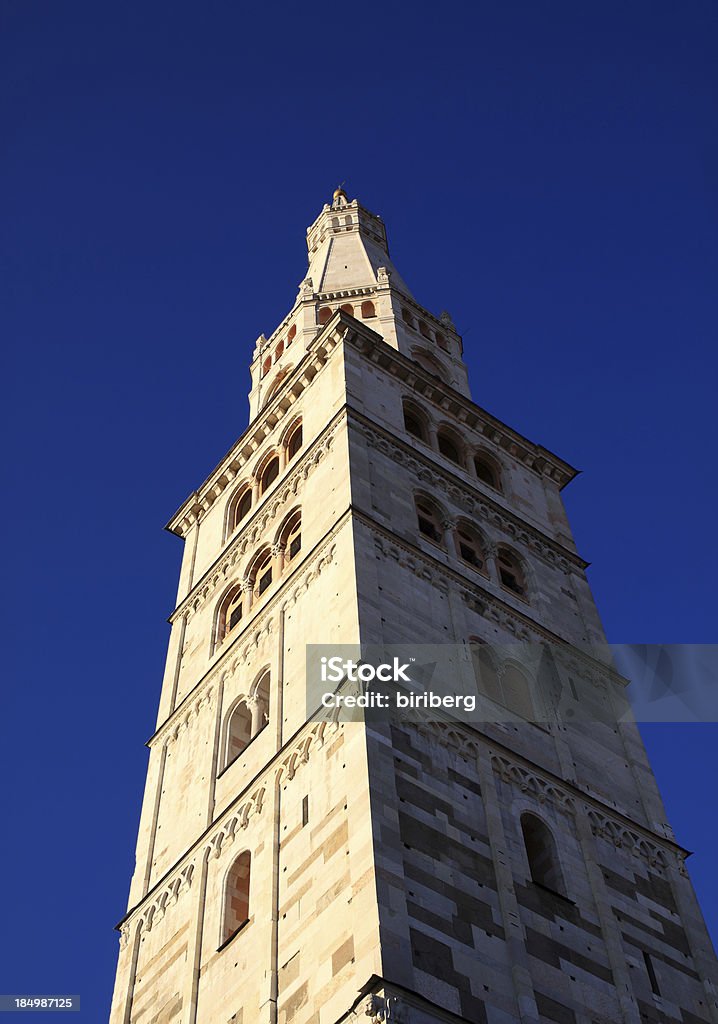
538 787
265 514
469 498
188 712
624 838
542 786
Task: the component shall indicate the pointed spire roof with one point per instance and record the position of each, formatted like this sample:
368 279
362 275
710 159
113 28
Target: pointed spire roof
347 247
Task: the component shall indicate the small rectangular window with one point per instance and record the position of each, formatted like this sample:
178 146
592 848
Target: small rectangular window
296 546
235 617
305 811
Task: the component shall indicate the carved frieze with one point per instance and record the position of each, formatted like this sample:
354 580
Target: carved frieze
569 801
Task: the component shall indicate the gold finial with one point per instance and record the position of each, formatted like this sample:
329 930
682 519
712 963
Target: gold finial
339 193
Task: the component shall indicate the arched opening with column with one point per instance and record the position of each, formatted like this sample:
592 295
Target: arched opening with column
230 612
289 539
512 574
260 572
259 703
470 546
247 716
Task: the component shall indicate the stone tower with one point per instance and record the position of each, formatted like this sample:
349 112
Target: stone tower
296 870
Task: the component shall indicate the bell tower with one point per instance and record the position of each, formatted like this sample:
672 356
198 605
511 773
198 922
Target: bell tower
293 869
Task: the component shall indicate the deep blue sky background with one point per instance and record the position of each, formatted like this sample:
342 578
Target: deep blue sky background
547 173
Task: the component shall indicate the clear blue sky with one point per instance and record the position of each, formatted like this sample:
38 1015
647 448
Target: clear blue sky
547 173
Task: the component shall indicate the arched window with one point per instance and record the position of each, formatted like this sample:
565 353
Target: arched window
469 547
262 573
486 673
429 520
266 365
367 310
517 692
236 897
234 611
242 506
325 314
275 386
428 362
290 537
423 328
511 573
292 334
507 685
415 423
449 446
441 341
261 702
487 472
269 474
407 317
239 732
294 441
230 613
347 308
278 351
541 854
247 718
